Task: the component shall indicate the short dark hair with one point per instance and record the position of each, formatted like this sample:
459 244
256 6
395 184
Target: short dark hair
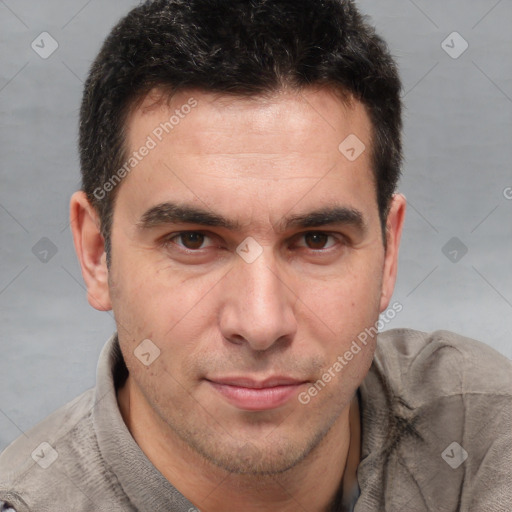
236 47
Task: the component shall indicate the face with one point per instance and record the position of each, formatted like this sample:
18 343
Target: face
247 247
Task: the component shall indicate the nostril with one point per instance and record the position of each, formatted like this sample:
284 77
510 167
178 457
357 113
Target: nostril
237 339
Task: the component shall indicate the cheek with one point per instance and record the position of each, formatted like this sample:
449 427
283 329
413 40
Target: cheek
148 287
338 320
155 303
349 299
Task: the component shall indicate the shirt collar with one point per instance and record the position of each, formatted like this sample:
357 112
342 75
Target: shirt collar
144 485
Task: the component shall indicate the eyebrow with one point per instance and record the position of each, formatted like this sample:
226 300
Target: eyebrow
324 216
174 213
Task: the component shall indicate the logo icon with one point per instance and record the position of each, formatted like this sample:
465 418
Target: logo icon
45 455
454 455
249 250
454 45
146 352
44 250
44 45
454 249
352 148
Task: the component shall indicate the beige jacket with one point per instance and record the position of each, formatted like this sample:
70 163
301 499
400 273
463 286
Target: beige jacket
436 420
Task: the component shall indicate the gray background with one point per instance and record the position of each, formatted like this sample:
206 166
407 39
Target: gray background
458 135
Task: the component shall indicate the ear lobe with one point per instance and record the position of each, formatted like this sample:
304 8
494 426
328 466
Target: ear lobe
394 226
90 249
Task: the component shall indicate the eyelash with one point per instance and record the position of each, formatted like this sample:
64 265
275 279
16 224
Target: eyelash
167 241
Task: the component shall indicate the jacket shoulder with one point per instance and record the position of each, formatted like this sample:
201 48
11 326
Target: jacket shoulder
437 410
30 466
448 361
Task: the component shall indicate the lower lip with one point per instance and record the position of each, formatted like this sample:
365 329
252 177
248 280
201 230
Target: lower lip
256 399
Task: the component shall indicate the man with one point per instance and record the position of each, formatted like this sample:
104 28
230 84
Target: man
239 216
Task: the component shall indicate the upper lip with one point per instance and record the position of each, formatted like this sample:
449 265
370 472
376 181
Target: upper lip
247 382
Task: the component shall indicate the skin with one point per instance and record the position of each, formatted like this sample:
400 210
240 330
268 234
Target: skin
290 312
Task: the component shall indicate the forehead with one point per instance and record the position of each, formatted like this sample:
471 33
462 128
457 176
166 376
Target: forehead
312 120
265 149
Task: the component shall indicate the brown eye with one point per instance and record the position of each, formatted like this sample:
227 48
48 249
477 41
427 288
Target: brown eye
316 240
192 240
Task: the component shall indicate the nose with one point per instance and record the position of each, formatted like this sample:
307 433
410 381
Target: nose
258 305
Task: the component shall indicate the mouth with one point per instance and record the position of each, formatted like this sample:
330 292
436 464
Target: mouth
253 395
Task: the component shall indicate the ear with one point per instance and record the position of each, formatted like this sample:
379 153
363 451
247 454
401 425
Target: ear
394 225
90 249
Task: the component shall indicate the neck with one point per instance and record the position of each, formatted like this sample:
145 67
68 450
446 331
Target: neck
311 485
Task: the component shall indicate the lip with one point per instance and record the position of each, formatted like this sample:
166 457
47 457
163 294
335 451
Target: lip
253 395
